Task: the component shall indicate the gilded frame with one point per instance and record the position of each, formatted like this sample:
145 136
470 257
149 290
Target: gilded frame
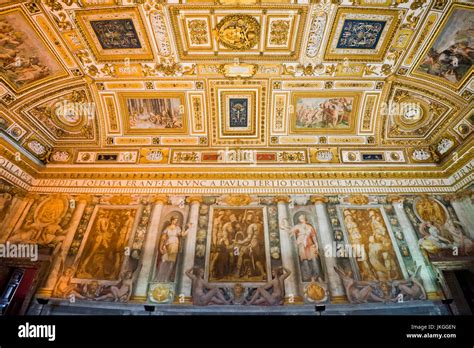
382 46
197 54
144 53
357 96
224 114
124 96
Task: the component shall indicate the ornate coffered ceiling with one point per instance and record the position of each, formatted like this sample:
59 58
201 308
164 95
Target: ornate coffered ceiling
344 88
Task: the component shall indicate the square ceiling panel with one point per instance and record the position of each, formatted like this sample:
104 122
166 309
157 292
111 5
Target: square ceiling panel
116 35
238 112
361 34
264 33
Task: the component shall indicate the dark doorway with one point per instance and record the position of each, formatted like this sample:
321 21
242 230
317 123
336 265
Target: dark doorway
16 292
465 279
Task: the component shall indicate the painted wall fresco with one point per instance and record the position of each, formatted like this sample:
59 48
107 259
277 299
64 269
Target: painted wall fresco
366 227
44 222
169 247
102 253
441 235
238 250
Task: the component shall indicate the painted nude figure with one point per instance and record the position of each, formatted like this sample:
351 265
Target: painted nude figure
272 293
203 293
123 290
64 287
358 291
412 289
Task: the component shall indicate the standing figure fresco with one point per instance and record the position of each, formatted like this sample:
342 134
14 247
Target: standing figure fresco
169 248
307 246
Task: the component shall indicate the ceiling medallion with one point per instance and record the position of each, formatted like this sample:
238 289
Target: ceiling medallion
238 32
463 129
72 111
412 113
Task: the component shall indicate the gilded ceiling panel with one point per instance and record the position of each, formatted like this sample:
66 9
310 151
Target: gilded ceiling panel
155 84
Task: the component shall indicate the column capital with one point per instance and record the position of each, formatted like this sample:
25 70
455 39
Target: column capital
282 199
318 199
458 196
17 192
159 199
32 195
395 199
194 199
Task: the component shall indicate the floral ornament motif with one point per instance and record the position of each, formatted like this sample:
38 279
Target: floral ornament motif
198 31
37 148
315 35
279 32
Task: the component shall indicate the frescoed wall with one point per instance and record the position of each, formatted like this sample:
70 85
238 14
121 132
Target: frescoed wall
241 250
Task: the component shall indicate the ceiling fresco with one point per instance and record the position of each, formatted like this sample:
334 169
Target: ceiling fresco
338 88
